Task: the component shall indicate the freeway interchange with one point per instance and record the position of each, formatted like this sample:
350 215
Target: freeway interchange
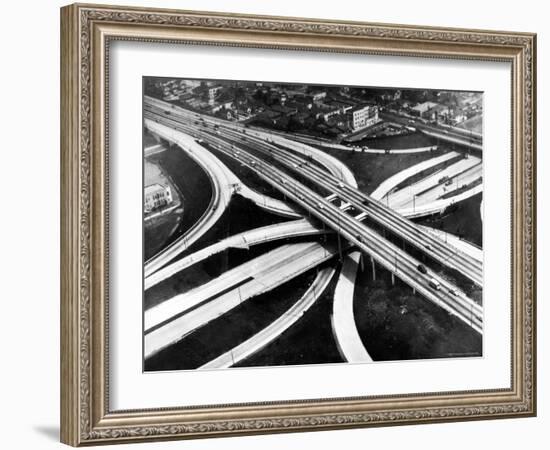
328 196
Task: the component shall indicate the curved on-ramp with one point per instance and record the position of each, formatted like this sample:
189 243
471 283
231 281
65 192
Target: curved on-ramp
221 188
390 183
179 316
276 328
431 207
344 327
224 184
245 239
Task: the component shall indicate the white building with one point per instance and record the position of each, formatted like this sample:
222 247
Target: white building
156 196
213 91
318 96
363 116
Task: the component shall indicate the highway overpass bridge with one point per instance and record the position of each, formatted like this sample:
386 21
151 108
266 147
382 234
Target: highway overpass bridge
433 286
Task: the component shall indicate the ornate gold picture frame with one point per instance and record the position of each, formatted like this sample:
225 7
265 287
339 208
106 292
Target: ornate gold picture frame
87 31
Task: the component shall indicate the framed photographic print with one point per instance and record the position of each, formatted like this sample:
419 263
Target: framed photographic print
275 224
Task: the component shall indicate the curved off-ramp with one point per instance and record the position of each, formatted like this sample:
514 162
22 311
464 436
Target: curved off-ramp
344 327
224 185
390 183
276 328
294 228
221 195
418 209
179 316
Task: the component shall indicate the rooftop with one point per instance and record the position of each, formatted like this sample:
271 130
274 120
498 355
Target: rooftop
152 188
423 107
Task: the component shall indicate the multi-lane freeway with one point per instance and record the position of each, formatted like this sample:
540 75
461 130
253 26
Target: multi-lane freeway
384 215
430 284
396 223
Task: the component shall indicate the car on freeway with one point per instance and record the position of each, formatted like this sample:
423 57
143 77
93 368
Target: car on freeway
321 206
453 292
422 268
341 185
435 284
428 246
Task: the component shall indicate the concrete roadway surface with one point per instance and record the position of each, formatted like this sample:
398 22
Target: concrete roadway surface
344 327
294 228
460 244
439 206
432 187
385 216
384 252
389 183
384 192
224 183
276 328
175 318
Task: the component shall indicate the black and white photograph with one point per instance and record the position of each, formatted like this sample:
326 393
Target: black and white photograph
295 224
